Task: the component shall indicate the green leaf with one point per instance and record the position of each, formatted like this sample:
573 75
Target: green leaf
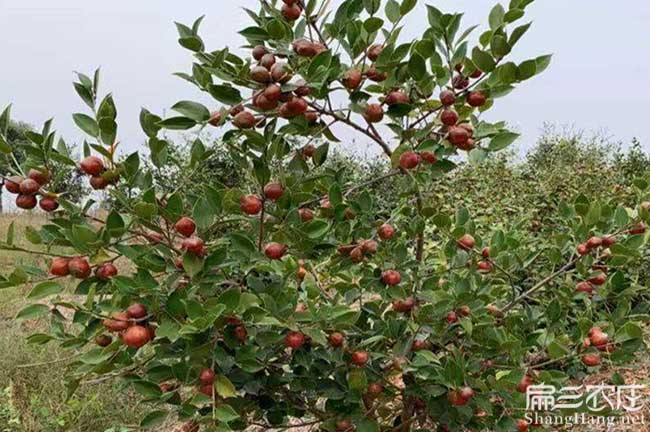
334 194
621 217
393 12
225 388
502 141
225 94
33 311
483 60
192 110
373 24
4 120
518 33
154 419
4 145
225 413
192 43
45 289
496 16
86 124
417 66
177 123
407 6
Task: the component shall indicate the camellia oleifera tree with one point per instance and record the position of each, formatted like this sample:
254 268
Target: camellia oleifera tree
291 301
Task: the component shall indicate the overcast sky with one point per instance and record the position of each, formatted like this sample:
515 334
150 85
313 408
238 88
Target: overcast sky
599 77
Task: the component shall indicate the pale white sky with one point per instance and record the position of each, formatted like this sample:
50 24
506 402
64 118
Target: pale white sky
598 78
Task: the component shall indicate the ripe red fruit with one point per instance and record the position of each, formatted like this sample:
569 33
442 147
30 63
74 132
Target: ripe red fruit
12 184
29 187
275 251
458 136
185 226
428 157
106 271
369 247
356 255
352 79
39 176
608 241
449 117
272 93
525 382
294 340
486 252
464 311
374 51
584 287
374 75
386 231
258 52
397 97
409 160
193 245
591 359
466 242
476 74
48 204
291 12
336 339
267 61
599 279
344 426
306 214
460 82
638 229
466 393
447 97
79 268
419 345
240 333
244 120
207 376
522 425
207 389
250 204
273 191
582 249
136 311
103 340
598 338
360 358
454 398
404 306
451 317
92 165
309 150
594 242
294 107
260 74
374 390
59 266
136 336
305 48
391 277
485 266
374 113
476 98
98 182
118 323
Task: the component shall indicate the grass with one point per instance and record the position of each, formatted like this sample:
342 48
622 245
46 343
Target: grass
33 398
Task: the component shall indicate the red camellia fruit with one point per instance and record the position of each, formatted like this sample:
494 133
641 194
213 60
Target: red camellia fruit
525 382
638 229
258 52
336 339
118 323
428 157
404 306
29 187
584 287
193 245
305 214
309 150
374 51
106 271
522 425
92 165
464 311
244 120
12 184
98 182
451 317
294 340
79 268
591 359
260 74
356 255
608 241
447 97
374 113
40 176
485 266
352 79
397 97
207 389
386 232
59 266
250 204
594 242
485 253
454 398
103 340
136 311
476 98
267 61
599 279
374 390
466 393
185 226
582 249
360 358
419 345
273 191
136 336
207 376
391 277
598 337
275 251
48 204
466 242
375 75
409 160
458 136
291 12
449 117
